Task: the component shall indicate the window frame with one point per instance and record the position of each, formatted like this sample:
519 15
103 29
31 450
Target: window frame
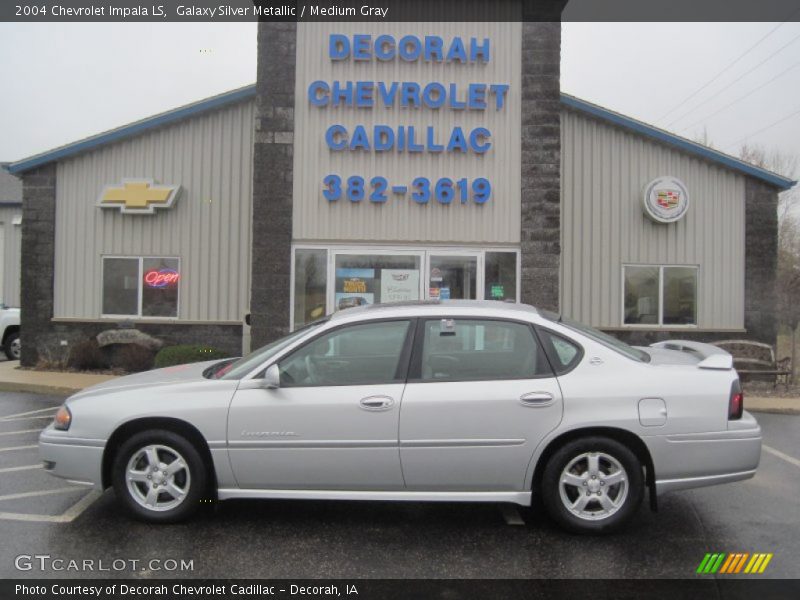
660 324
552 353
415 364
421 251
140 288
401 373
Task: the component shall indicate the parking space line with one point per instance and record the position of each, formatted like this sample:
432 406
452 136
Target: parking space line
12 448
20 432
23 468
41 493
30 412
68 516
779 454
511 514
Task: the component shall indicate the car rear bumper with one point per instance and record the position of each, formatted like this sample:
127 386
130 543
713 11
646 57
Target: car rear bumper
77 460
701 459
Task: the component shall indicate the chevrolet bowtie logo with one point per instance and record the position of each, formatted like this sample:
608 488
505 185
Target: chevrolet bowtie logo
138 197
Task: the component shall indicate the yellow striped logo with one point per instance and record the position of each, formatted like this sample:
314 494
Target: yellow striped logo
734 563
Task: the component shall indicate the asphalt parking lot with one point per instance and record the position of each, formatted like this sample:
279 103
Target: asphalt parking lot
40 515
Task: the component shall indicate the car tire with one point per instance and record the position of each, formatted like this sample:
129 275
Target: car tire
159 476
12 347
592 485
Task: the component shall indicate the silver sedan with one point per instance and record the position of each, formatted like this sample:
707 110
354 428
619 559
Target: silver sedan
455 401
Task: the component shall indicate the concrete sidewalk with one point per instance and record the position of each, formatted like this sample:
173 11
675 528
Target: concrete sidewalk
14 379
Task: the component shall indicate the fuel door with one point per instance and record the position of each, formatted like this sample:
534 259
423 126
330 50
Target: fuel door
652 412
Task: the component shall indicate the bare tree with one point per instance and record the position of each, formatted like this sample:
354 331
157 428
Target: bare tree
788 280
781 163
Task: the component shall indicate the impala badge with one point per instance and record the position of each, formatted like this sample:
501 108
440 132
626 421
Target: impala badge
246 433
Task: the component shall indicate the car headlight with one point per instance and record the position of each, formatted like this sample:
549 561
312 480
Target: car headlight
63 418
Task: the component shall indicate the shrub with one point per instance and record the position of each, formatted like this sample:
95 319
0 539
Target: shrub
52 357
87 355
178 355
132 358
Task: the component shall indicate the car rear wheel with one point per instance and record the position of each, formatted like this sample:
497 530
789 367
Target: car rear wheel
12 346
592 485
159 476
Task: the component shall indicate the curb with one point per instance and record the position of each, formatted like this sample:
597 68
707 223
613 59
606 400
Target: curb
33 388
775 411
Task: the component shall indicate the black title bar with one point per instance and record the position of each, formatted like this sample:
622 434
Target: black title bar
376 11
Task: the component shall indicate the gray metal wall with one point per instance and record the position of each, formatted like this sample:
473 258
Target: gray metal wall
210 155
603 172
12 240
402 219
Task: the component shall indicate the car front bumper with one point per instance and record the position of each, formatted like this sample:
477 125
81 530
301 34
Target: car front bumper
685 461
77 460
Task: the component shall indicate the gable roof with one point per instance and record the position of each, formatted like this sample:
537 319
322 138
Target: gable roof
681 143
132 129
248 92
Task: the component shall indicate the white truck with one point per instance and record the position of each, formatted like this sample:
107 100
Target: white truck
9 330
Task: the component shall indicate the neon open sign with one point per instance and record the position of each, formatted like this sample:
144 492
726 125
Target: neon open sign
161 278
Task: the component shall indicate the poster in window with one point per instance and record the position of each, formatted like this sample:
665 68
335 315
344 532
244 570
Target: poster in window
354 287
399 285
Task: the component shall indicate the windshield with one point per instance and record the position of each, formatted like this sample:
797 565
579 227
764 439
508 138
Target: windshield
243 366
598 336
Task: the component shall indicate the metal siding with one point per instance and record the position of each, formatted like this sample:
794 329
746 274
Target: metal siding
400 219
208 227
12 247
604 171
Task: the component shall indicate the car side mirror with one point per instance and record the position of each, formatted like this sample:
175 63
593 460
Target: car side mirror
272 377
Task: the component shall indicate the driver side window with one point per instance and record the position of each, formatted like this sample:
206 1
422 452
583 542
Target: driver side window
363 354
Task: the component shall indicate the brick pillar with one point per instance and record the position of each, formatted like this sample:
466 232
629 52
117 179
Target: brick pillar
38 259
540 233
760 261
272 182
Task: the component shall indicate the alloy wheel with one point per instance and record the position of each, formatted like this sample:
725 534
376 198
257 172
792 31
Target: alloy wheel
158 477
593 486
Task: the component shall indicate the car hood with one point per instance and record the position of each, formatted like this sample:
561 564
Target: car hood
167 375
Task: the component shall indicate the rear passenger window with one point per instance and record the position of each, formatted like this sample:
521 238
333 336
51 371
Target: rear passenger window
473 350
565 353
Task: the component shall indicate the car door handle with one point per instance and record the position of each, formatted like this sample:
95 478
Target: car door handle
537 399
376 403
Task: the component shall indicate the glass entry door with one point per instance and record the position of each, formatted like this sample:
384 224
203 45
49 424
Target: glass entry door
453 276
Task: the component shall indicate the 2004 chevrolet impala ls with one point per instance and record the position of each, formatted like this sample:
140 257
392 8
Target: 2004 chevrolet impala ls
452 401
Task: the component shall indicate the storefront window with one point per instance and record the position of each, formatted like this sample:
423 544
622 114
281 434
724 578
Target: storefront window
500 280
310 282
375 278
141 286
120 286
160 280
680 295
660 295
453 277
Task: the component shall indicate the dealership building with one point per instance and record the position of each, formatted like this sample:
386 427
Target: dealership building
391 162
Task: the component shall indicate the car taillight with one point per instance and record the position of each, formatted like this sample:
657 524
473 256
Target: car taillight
736 403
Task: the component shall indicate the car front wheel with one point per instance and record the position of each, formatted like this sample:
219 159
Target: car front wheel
592 485
159 476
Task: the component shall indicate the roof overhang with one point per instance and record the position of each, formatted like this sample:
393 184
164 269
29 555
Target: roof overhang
678 142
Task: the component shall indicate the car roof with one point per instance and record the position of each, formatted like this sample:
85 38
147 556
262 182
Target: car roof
489 308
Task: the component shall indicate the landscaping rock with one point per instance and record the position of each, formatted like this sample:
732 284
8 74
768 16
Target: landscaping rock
128 336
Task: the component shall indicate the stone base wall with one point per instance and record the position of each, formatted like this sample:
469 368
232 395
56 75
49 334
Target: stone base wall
227 338
639 337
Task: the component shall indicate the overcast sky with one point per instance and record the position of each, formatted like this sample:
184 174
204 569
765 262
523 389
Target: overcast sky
63 82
